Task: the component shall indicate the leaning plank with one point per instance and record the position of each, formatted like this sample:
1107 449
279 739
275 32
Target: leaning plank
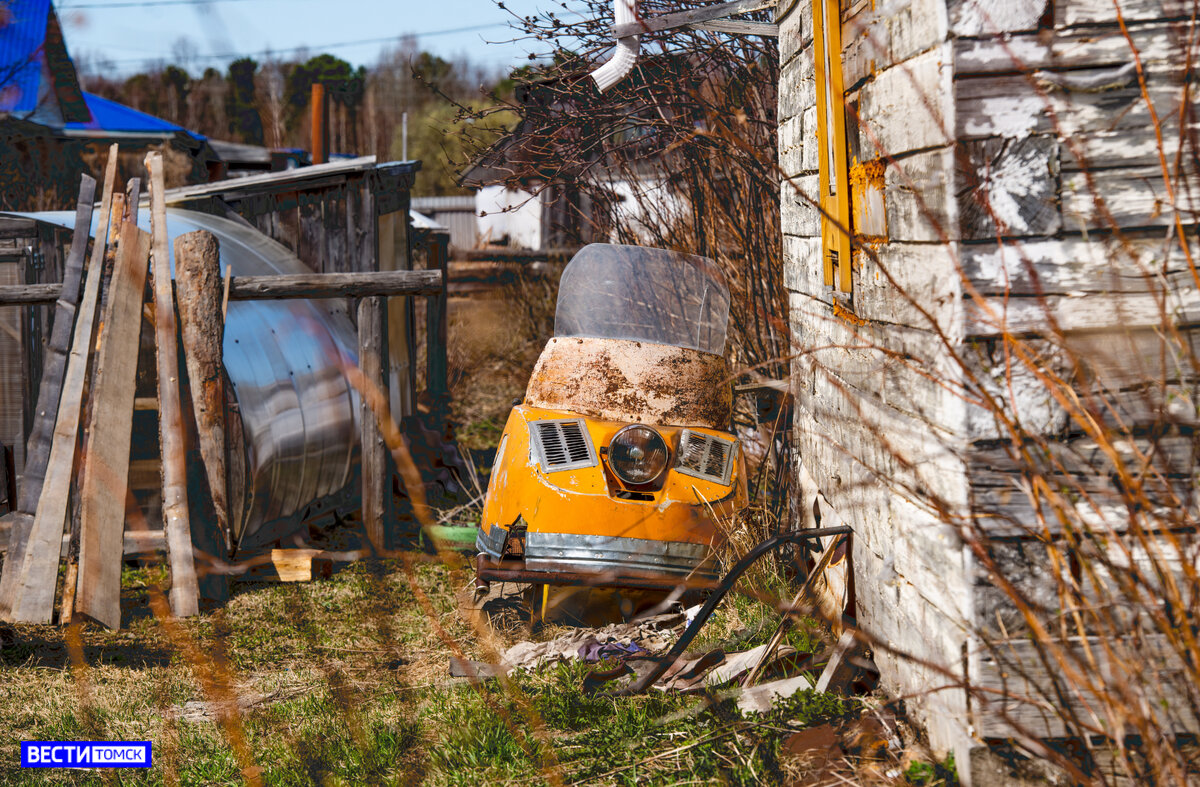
33 596
184 590
38 447
106 466
199 294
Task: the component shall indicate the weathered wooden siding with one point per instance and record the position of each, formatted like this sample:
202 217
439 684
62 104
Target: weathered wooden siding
1017 154
877 432
1066 125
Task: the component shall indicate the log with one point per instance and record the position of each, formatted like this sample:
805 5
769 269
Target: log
50 390
278 287
106 466
335 285
35 294
199 294
33 595
184 590
373 360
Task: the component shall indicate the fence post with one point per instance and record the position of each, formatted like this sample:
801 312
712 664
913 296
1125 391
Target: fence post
436 332
373 361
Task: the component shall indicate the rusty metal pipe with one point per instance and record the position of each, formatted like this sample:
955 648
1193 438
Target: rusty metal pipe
726 584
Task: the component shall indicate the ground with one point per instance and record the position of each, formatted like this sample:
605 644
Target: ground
346 681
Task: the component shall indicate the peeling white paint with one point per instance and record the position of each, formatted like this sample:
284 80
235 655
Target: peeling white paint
1008 116
1019 50
982 17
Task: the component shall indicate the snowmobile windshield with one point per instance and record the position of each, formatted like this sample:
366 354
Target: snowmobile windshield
641 294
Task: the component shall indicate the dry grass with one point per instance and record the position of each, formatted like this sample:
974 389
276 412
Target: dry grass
345 681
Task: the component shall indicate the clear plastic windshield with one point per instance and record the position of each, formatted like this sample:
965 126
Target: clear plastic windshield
648 295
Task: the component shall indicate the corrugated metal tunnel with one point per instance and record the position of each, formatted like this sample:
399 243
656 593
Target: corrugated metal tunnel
299 415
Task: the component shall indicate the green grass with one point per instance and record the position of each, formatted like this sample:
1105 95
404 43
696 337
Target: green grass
345 682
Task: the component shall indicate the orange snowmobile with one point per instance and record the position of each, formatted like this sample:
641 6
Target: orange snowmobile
619 465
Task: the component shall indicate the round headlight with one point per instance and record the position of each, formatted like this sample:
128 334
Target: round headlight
637 454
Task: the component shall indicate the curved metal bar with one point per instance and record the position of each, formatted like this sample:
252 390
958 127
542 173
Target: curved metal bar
727 583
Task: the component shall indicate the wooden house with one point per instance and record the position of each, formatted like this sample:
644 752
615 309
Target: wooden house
982 220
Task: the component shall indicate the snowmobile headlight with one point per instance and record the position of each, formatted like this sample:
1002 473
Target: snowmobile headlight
637 454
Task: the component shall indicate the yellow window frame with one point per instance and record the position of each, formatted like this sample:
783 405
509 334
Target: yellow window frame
834 178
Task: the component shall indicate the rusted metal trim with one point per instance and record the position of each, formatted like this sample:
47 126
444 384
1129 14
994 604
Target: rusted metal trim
515 571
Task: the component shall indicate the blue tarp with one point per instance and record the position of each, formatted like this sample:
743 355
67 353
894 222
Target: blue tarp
22 52
110 116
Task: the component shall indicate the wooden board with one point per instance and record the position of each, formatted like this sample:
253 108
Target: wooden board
184 590
33 595
106 465
38 445
1012 682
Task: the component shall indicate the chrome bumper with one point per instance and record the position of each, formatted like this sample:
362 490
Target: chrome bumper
611 559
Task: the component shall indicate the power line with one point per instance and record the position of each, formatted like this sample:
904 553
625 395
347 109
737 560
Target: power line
320 47
148 4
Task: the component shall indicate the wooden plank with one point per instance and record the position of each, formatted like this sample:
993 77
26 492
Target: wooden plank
50 390
1012 681
357 284
122 205
692 16
1013 106
32 597
1078 266
738 28
373 361
335 285
103 491
1091 48
976 18
199 293
300 565
1134 196
185 592
1090 12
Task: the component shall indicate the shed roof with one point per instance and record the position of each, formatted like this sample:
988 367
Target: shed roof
31 40
107 115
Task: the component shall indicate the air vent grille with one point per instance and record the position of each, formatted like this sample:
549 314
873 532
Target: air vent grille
705 456
563 445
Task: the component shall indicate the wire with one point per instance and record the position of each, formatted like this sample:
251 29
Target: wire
146 4
322 47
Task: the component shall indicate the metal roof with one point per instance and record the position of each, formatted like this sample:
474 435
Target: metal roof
22 53
110 116
236 188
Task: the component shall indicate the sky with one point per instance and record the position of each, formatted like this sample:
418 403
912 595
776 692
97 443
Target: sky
129 34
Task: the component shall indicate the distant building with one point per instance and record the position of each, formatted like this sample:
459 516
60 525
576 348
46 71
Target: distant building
51 130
